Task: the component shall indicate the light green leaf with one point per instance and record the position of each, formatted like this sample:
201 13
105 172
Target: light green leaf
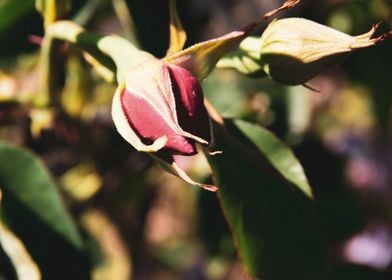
279 155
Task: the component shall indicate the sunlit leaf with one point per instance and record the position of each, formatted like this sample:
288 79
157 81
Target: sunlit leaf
279 155
33 210
81 182
269 209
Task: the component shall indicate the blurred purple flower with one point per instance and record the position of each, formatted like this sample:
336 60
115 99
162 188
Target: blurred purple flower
372 247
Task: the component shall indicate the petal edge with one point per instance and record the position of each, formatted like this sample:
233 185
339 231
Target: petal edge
126 131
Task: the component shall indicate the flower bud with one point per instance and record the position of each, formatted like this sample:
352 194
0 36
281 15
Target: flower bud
294 50
161 108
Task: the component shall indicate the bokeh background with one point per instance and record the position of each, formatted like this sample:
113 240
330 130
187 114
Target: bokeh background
142 223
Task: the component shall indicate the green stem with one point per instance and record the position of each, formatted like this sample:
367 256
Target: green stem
125 18
46 73
51 10
87 12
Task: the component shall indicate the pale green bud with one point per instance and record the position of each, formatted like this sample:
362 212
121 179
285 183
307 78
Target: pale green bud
294 50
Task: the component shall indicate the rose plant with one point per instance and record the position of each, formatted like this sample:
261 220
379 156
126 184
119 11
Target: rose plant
159 108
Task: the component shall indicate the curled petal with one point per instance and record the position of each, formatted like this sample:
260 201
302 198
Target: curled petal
151 81
127 132
150 124
161 108
191 111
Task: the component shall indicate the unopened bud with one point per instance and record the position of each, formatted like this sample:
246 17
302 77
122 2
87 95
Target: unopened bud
294 50
160 108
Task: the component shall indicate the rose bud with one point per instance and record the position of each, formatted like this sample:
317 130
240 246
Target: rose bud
294 50
160 109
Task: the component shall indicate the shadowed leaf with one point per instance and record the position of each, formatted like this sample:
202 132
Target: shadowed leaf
11 11
269 210
33 210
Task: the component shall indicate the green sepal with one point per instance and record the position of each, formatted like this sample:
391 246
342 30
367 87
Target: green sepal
177 32
246 59
200 59
172 167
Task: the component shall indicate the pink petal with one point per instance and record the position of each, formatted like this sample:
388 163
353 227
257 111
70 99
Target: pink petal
149 124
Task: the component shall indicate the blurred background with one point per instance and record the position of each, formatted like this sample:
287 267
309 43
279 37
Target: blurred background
142 223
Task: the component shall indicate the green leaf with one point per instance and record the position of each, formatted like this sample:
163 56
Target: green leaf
32 208
279 155
267 203
11 11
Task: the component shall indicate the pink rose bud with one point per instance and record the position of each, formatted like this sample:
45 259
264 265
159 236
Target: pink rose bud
161 108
